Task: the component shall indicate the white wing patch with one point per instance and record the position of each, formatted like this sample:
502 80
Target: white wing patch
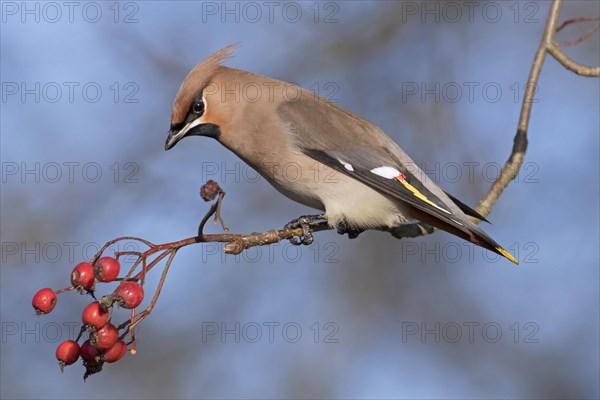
393 173
346 165
386 172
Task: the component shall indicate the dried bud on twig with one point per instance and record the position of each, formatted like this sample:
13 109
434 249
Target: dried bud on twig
210 190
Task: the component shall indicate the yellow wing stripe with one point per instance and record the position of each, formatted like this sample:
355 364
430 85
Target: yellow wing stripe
507 255
419 194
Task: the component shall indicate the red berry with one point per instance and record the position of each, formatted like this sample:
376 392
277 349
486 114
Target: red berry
44 301
83 276
105 337
107 269
89 353
116 352
67 353
94 315
129 294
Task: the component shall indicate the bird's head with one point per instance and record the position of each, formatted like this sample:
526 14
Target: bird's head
195 112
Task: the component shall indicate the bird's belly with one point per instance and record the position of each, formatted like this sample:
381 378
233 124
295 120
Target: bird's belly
361 207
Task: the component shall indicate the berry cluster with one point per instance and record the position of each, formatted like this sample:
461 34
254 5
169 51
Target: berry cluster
108 342
105 343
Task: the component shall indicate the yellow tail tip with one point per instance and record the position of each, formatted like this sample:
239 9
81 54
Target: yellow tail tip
133 352
507 255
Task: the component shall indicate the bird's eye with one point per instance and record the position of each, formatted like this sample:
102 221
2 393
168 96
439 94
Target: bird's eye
198 107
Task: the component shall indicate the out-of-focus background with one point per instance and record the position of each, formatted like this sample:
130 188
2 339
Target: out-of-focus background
87 89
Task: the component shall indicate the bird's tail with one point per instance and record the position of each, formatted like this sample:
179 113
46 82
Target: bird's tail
470 232
480 238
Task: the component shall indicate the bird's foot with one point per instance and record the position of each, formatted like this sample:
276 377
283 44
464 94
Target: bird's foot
343 228
305 223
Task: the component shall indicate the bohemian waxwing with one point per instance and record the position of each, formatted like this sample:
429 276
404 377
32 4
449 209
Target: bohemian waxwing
316 153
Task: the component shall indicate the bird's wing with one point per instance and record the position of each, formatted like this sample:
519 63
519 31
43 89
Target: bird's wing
361 150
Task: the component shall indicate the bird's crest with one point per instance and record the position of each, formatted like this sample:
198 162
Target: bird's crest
196 80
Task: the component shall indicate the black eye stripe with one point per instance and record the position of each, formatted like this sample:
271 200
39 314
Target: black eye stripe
177 127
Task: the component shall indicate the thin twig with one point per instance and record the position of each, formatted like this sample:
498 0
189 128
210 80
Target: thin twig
571 65
146 268
128 253
146 312
576 20
211 211
135 320
67 289
218 216
581 38
111 242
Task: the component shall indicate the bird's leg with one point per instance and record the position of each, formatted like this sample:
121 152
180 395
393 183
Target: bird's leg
305 223
343 228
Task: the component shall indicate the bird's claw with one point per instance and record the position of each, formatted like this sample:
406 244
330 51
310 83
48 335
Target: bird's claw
304 223
343 228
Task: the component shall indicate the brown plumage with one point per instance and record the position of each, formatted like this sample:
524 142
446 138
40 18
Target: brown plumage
315 152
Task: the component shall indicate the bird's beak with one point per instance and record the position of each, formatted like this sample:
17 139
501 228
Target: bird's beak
175 136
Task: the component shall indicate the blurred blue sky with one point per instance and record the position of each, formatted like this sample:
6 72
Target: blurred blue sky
98 170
